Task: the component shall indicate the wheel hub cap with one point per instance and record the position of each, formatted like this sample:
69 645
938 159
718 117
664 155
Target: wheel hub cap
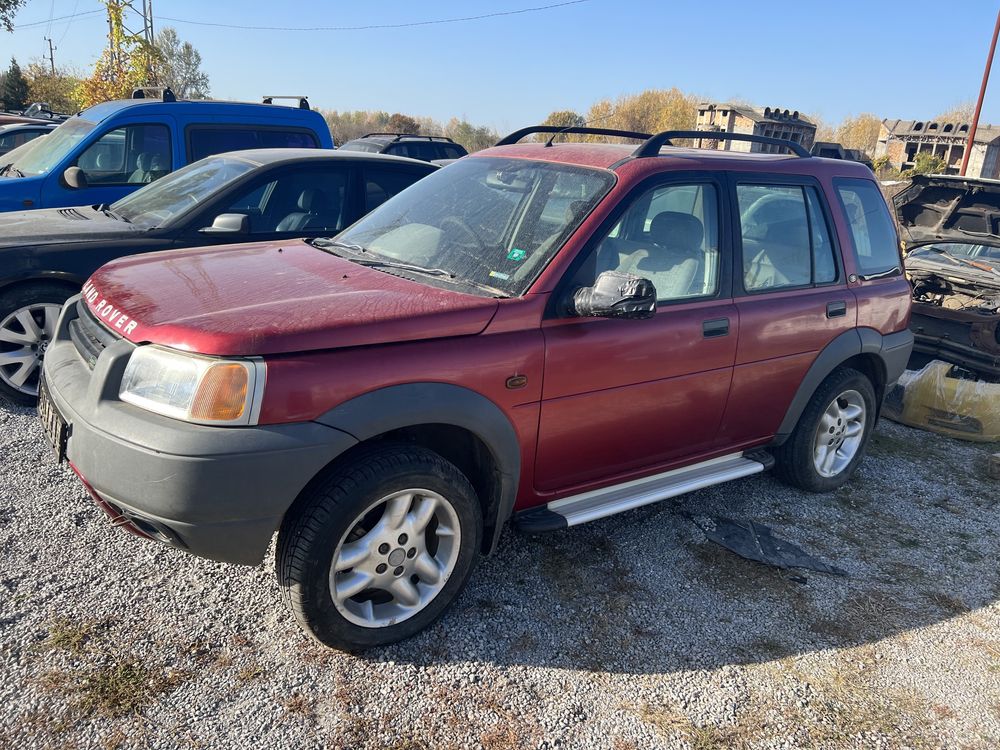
839 434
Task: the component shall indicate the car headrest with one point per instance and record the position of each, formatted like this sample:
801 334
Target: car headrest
157 163
142 161
312 200
678 230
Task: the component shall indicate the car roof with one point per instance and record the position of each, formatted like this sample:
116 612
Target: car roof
616 156
262 156
103 111
10 127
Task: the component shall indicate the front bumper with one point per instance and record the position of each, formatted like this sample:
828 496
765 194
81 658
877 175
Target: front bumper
217 492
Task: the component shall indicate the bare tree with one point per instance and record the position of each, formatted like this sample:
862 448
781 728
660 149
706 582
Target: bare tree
180 66
961 112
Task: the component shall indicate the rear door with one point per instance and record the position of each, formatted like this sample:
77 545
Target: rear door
791 294
625 396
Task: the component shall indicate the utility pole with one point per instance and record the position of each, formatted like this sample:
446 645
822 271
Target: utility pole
52 60
982 95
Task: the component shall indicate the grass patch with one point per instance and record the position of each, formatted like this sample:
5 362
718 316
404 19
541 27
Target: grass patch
71 635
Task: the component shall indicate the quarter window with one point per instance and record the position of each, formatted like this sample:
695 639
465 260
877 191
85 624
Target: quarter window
135 154
785 238
876 246
206 141
669 235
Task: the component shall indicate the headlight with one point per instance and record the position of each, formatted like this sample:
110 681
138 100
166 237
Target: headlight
192 387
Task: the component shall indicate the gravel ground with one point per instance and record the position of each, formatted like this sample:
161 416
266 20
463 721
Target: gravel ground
632 632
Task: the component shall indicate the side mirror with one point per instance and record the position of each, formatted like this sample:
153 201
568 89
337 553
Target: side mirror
75 178
228 224
616 295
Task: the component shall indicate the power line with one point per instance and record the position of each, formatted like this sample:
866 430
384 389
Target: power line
376 26
58 18
70 22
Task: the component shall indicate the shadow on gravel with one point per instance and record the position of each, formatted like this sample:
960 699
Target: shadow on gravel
646 593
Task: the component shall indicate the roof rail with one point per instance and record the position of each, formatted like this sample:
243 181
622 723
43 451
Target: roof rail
577 130
400 136
303 100
165 93
653 145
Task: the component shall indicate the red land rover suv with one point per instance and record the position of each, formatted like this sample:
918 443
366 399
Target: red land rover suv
549 333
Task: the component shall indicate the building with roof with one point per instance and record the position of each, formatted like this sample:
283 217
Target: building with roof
902 140
739 118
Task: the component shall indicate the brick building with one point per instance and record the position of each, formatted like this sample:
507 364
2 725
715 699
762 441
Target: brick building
902 140
738 118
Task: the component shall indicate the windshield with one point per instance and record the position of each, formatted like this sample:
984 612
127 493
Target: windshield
159 202
491 222
43 154
962 252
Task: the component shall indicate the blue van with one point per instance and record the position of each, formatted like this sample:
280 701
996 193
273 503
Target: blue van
112 149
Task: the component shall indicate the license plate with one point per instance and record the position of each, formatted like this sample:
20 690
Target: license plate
53 424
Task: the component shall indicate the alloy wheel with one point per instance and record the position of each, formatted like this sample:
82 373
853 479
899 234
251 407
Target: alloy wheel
395 558
839 434
24 336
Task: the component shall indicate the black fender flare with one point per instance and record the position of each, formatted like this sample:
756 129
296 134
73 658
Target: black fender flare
892 351
412 404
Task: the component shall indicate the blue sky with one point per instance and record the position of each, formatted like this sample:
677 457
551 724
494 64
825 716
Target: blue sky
511 71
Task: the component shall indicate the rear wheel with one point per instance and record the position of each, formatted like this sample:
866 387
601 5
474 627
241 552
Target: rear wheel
378 549
28 318
830 439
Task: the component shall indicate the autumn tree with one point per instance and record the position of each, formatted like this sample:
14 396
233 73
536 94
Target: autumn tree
59 91
563 118
14 87
860 132
651 111
179 66
925 163
473 137
961 112
127 63
7 10
400 123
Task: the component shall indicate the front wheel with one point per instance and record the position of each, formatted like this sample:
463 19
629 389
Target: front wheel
28 317
830 439
377 550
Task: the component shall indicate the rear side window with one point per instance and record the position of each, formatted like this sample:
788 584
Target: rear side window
785 238
876 246
382 184
452 152
206 141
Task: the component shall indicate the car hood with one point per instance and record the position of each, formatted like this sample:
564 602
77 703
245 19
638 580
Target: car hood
272 298
49 226
941 208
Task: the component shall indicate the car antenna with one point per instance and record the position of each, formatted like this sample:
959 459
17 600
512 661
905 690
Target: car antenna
548 143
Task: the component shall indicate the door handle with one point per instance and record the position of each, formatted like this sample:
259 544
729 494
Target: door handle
836 309
711 329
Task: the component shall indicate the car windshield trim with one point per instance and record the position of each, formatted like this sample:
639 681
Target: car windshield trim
493 222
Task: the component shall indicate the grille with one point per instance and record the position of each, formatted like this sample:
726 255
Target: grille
89 337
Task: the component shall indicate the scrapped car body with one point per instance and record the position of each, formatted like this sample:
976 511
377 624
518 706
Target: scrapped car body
544 333
951 229
264 194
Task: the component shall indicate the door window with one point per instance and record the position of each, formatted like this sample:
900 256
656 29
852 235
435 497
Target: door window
300 202
669 235
135 154
785 238
876 246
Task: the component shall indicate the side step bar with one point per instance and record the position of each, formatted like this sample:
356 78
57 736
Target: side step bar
589 506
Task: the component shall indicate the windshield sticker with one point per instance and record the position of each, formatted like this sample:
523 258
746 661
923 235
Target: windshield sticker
517 254
498 275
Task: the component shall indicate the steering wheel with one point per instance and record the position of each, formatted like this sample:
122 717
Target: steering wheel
476 244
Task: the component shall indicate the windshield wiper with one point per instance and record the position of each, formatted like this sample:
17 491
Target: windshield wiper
373 263
105 209
325 244
11 169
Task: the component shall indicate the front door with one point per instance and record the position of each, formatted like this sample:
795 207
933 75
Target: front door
629 395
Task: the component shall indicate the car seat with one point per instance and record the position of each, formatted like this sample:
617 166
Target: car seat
314 212
672 259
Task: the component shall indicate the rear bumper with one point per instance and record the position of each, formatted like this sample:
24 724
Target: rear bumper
217 492
896 350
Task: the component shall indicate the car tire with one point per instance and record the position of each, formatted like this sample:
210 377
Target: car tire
829 441
374 551
28 316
